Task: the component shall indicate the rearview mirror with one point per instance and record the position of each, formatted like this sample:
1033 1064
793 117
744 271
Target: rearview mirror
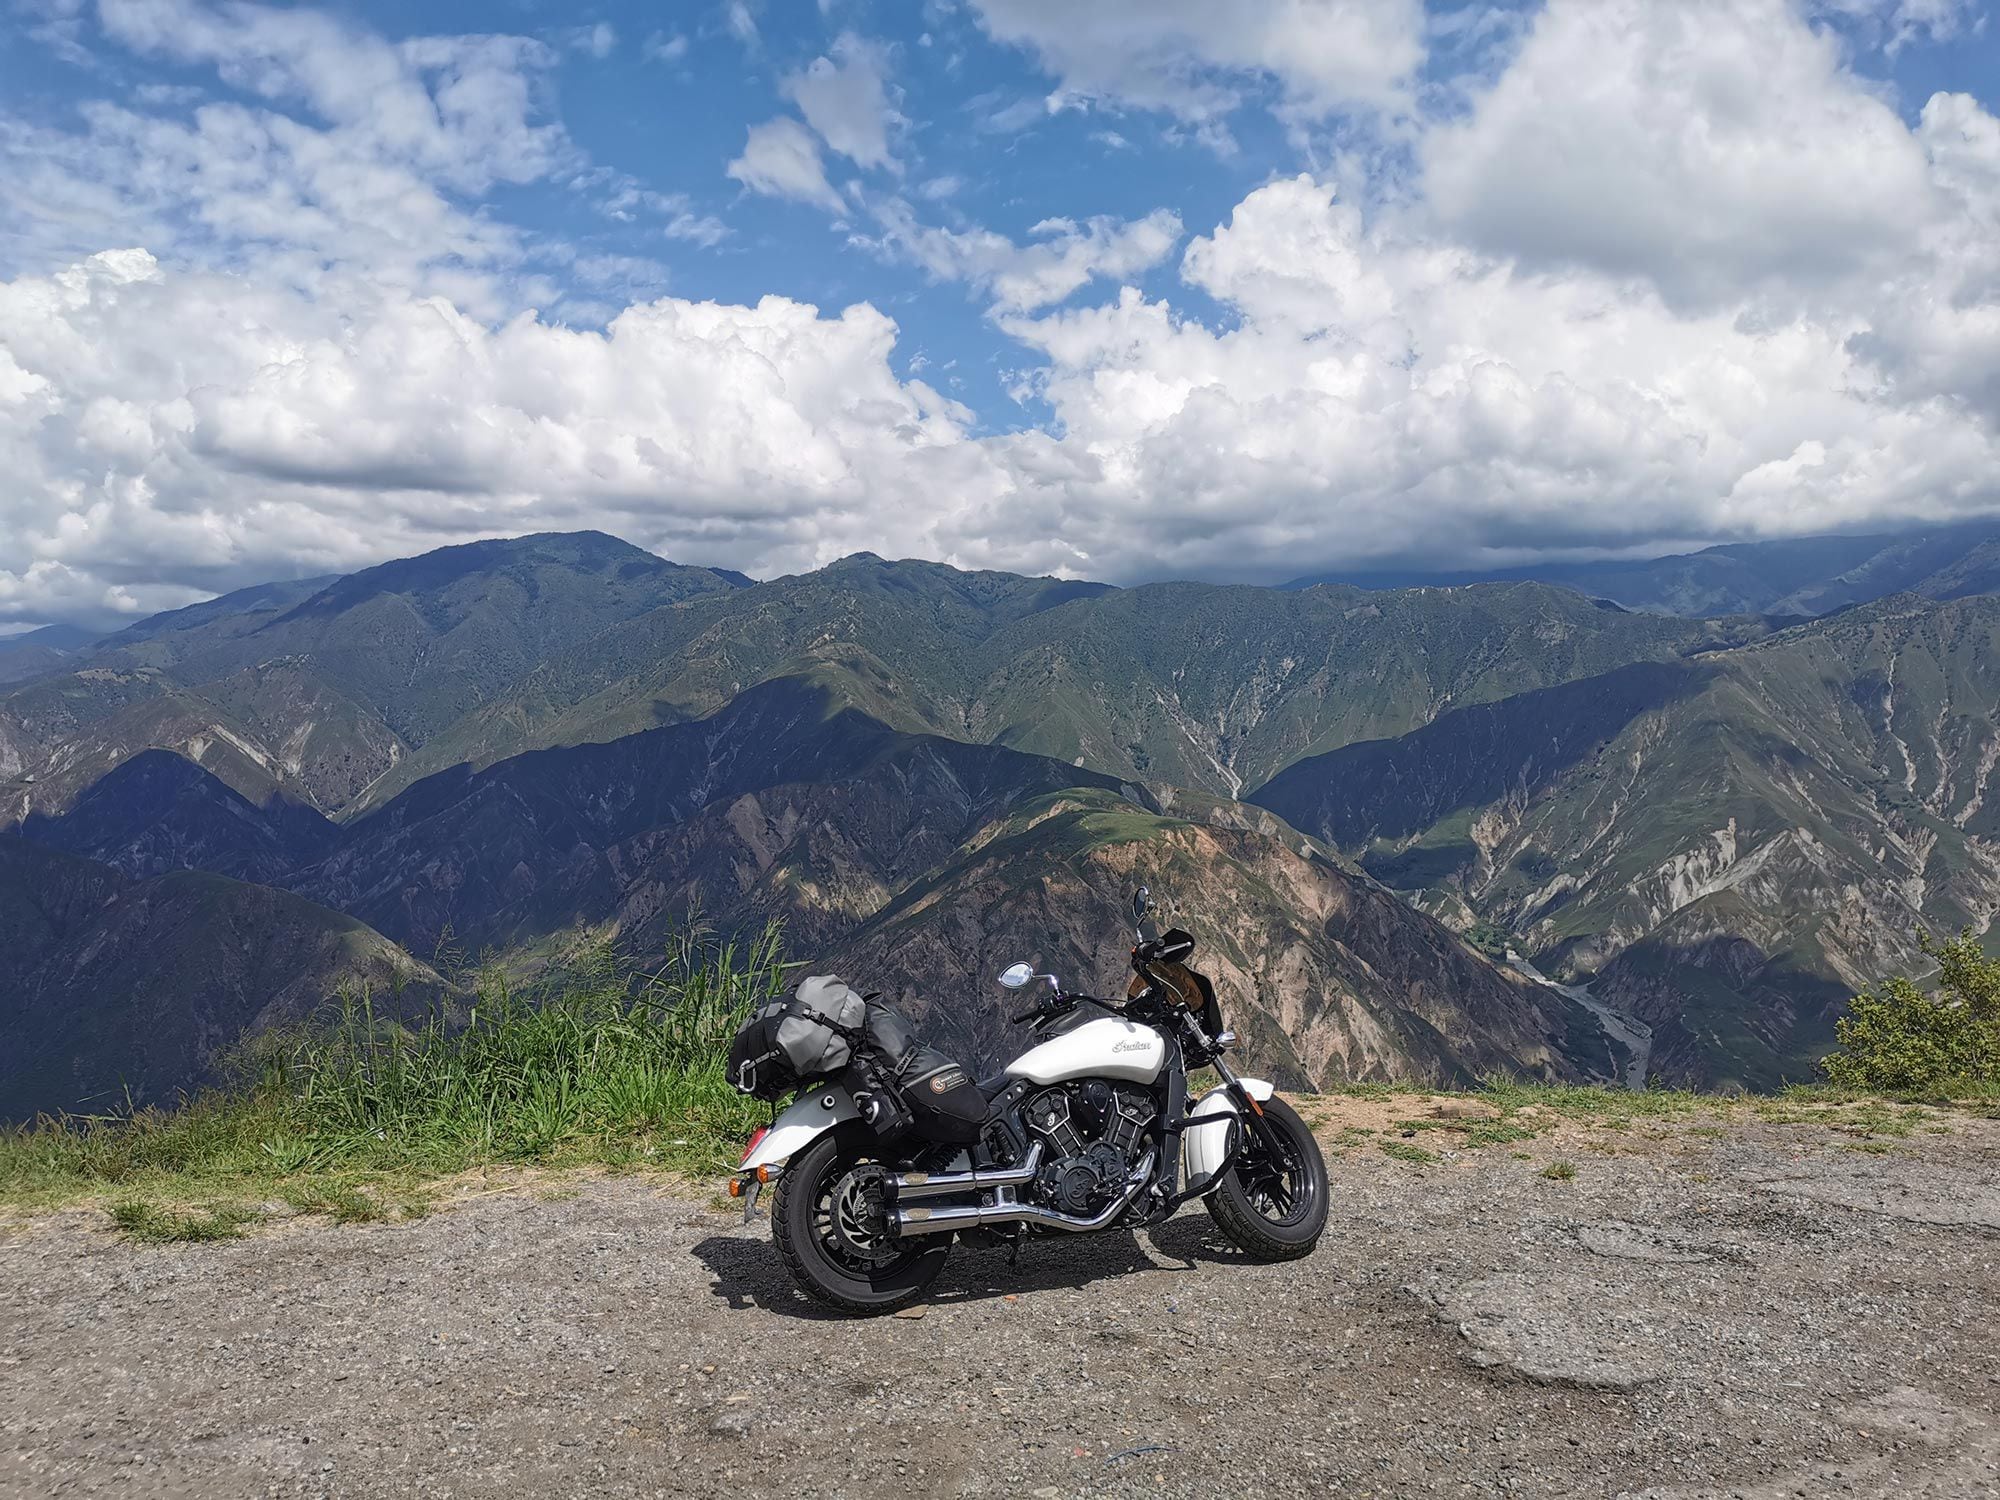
1140 898
1018 976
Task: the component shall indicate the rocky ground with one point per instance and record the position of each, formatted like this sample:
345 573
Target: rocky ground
1756 1307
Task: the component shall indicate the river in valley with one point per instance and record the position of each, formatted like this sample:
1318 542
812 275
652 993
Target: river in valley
1627 1032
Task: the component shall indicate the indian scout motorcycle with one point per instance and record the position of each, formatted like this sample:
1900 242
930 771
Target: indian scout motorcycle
889 1149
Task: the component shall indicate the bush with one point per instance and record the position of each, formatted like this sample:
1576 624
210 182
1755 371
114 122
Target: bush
1899 1040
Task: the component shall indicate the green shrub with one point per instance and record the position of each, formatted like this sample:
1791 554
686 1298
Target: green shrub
1900 1040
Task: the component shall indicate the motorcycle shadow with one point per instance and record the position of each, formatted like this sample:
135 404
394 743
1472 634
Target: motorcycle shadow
748 1272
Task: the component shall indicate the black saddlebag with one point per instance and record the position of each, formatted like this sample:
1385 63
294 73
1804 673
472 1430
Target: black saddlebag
808 1035
945 1103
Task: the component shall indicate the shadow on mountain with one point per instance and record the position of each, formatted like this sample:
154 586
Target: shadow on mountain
1471 757
121 991
159 812
782 804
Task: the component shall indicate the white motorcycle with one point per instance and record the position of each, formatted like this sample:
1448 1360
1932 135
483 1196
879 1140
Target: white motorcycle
889 1150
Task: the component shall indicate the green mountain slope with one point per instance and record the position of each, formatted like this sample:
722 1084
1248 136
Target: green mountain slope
1175 684
314 692
1733 845
112 988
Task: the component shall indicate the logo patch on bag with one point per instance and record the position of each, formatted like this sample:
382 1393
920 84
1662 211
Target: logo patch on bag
949 1079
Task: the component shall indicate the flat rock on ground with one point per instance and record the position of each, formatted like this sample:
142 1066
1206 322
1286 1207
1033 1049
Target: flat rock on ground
1764 1313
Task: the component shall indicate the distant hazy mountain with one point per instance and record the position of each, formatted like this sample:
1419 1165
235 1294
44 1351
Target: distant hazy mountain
1799 576
35 652
113 989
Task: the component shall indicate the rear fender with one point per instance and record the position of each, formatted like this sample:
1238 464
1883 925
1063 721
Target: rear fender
810 1116
1207 1149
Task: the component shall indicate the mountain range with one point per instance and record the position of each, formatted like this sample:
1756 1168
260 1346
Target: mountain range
1794 578
1356 798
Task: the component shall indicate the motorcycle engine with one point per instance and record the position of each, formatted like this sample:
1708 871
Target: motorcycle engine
1092 1131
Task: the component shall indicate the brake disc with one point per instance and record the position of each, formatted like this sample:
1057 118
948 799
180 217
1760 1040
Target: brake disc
860 1214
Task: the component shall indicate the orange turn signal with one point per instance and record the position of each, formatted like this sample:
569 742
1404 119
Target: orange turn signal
736 1187
764 1173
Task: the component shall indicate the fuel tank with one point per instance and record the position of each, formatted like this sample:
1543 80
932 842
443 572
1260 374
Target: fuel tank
1107 1048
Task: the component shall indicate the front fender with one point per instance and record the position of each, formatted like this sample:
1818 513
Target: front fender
810 1116
1206 1148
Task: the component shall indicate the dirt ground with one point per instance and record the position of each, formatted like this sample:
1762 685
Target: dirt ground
1756 1309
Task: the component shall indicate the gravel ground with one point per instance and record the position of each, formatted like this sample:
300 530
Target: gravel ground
1763 1313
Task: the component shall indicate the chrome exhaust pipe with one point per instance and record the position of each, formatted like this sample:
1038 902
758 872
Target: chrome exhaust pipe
1007 1210
910 1185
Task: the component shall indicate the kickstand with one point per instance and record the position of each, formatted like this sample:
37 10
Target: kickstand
1013 1252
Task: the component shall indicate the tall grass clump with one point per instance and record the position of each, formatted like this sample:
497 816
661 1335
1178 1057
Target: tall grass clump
600 1058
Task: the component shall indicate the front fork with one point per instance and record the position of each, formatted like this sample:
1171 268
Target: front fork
1247 1107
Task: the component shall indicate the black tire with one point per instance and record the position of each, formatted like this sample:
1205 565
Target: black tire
1272 1210
828 1273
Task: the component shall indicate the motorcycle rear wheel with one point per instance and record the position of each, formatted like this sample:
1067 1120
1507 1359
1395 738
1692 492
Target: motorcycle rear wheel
1273 1207
827 1228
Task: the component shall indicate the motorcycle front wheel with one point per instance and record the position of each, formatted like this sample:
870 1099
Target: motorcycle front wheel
1272 1203
830 1224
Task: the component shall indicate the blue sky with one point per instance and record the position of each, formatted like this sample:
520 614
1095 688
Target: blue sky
1129 290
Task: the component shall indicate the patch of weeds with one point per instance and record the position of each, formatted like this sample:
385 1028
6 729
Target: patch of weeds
1937 1130
1707 1132
1560 1171
1522 1155
151 1224
1602 1104
1404 1151
1871 1148
562 1194
1772 1114
1363 1090
1477 1133
339 1201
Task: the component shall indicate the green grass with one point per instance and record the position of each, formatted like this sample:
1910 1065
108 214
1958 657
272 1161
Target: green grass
1560 1171
151 1224
597 1062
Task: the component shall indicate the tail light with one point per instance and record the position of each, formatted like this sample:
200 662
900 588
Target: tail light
755 1140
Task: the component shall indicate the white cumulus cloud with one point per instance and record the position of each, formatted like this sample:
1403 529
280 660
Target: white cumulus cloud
845 98
781 160
1193 58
